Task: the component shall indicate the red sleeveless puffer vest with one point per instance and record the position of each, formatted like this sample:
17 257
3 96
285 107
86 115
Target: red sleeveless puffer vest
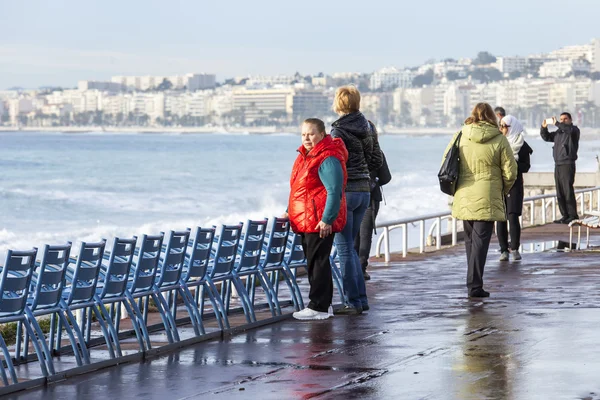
308 194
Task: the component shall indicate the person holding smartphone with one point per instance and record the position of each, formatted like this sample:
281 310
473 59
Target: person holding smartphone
566 145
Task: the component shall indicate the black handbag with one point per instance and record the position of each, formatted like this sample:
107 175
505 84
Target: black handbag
448 175
384 176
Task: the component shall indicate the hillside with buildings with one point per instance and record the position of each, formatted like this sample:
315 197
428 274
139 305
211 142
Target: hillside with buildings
435 94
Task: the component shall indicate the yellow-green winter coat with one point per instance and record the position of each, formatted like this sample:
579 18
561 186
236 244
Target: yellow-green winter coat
487 172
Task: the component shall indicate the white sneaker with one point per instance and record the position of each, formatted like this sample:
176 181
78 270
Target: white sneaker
504 256
309 314
516 255
330 311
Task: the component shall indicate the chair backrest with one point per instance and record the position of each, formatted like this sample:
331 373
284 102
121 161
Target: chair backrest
48 283
226 249
296 256
85 274
146 265
173 259
116 274
277 242
15 279
251 248
198 254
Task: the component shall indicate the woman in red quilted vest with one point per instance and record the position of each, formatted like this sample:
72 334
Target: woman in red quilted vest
317 209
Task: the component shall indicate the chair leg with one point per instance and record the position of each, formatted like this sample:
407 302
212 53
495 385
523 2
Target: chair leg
195 313
192 311
101 313
163 310
39 344
137 313
76 348
9 364
269 290
248 309
19 343
71 318
291 280
105 333
215 298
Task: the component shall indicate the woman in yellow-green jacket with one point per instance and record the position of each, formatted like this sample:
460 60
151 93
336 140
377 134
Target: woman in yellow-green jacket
487 172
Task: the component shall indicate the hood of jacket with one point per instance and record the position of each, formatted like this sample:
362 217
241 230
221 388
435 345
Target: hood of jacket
481 132
354 123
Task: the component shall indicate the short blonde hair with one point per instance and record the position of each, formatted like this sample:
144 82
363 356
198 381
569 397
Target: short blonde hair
347 100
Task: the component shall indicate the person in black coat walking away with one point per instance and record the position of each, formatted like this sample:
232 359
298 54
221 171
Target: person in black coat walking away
513 130
566 145
364 239
364 155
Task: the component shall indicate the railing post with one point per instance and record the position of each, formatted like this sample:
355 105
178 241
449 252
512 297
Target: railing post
404 240
543 211
438 234
454 232
532 216
386 241
582 203
554 209
422 236
598 199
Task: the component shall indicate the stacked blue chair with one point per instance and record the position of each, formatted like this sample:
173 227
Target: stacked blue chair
47 290
168 279
247 265
223 262
15 280
81 295
141 286
295 259
112 290
195 276
273 262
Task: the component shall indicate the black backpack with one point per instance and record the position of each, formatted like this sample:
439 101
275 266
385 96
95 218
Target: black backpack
448 175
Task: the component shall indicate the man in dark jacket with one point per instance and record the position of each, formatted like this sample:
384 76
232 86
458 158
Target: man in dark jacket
566 144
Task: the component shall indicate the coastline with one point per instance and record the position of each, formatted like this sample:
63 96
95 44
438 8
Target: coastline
266 130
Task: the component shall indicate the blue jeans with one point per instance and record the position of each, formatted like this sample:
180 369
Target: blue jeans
354 282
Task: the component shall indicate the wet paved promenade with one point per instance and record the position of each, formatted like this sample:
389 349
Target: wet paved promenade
536 337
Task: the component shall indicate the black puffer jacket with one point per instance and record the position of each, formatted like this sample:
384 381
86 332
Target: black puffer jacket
364 155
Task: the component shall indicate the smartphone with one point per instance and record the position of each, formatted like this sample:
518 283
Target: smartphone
549 121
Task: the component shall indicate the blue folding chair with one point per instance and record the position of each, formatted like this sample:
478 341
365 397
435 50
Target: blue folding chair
247 265
47 285
195 274
221 267
80 296
294 259
15 280
112 290
142 283
273 262
168 279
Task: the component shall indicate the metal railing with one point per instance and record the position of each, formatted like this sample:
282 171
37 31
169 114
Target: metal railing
546 201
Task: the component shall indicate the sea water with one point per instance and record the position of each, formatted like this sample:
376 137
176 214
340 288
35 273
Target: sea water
58 187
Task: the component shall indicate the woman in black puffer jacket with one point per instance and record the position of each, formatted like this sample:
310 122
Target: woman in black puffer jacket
364 156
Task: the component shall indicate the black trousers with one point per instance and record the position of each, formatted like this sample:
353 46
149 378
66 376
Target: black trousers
477 242
515 233
362 241
317 252
564 177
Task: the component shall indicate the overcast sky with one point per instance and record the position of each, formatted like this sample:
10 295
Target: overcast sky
59 42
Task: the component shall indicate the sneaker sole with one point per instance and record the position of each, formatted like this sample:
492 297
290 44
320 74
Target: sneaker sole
316 318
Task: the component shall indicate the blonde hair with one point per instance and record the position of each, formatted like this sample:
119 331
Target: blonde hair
347 100
482 112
